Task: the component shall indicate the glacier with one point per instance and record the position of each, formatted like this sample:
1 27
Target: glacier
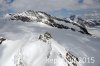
23 45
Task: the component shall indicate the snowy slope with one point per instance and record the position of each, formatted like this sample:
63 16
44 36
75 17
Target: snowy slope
24 47
87 22
42 17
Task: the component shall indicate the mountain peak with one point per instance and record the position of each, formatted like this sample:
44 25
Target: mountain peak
39 16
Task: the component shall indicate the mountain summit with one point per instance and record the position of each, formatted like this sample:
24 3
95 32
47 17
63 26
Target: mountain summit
42 17
35 38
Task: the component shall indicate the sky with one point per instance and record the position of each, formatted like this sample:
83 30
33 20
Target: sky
48 5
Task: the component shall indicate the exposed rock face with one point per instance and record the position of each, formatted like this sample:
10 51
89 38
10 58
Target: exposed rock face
71 58
39 16
1 40
85 22
72 17
45 37
22 18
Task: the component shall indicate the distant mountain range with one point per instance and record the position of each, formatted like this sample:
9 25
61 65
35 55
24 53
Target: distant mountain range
87 22
39 16
36 38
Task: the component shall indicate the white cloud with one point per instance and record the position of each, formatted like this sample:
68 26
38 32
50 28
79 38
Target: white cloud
4 6
43 4
53 4
91 4
49 5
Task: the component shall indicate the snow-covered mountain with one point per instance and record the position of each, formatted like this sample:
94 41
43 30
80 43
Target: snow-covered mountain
85 22
35 38
42 17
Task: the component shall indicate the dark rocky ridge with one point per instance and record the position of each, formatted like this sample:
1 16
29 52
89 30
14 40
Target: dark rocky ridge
45 37
39 16
68 55
2 39
86 22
